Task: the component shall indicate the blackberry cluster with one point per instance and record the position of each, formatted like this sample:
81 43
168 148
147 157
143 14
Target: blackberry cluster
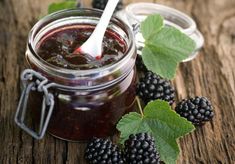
198 110
100 4
102 151
140 65
152 87
140 148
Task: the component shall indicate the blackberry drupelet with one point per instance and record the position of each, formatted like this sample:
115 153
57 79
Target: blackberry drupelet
102 151
100 4
140 148
152 87
198 110
140 64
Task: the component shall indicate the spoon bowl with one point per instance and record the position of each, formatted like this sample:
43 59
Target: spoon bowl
93 45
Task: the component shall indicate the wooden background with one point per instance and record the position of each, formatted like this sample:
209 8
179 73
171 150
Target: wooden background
211 74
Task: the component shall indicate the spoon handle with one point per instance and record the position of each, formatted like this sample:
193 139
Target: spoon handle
105 19
96 38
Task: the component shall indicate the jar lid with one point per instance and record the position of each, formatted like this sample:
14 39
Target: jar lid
135 13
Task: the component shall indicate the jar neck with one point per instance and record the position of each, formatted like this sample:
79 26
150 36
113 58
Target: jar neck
83 79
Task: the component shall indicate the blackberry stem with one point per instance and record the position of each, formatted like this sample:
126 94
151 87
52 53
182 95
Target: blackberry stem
139 106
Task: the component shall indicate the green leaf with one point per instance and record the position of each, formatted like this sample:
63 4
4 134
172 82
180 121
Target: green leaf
130 124
69 4
165 125
151 25
158 63
163 52
165 47
171 40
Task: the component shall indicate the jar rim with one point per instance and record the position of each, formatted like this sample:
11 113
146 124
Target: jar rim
171 13
44 64
135 13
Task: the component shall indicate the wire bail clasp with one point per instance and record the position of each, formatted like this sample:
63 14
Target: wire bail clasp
34 81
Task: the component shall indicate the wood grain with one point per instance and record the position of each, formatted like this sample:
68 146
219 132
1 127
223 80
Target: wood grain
211 74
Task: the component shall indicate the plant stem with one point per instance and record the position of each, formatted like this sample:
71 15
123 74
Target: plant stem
139 106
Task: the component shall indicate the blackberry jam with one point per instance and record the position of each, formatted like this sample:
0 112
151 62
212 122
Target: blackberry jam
85 97
58 46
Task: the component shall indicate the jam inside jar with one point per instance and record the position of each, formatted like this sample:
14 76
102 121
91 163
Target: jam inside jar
90 96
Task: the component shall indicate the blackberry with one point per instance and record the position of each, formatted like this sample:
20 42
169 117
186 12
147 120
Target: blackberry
152 87
140 148
198 110
140 65
100 4
79 4
102 151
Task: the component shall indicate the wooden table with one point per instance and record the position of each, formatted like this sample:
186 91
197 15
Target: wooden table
211 74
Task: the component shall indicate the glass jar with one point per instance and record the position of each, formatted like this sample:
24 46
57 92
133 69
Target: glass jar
135 13
76 104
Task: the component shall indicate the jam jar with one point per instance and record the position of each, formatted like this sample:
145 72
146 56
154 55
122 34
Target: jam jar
135 13
76 98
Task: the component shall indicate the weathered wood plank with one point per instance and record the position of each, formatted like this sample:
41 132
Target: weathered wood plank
211 74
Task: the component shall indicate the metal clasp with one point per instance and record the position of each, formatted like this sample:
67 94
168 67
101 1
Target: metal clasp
34 81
